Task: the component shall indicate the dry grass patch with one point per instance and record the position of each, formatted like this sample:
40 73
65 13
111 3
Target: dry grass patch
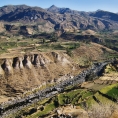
105 110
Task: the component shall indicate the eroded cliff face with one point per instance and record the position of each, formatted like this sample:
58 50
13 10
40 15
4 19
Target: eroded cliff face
21 73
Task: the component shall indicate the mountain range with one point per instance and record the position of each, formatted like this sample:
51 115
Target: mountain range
36 19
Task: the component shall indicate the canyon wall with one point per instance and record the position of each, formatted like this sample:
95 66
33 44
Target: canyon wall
24 72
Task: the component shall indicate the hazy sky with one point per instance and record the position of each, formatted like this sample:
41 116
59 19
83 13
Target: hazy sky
81 5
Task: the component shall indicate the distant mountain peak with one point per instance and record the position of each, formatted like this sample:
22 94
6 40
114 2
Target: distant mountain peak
53 6
62 10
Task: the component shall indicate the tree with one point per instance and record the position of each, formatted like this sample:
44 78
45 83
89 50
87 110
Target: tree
54 37
43 41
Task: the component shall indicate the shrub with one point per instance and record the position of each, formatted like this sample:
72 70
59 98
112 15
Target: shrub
57 47
68 52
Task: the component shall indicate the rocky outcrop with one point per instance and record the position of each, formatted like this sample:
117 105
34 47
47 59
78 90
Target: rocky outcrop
71 112
31 70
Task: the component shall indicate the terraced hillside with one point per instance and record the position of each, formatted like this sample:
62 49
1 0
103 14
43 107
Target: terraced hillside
75 96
